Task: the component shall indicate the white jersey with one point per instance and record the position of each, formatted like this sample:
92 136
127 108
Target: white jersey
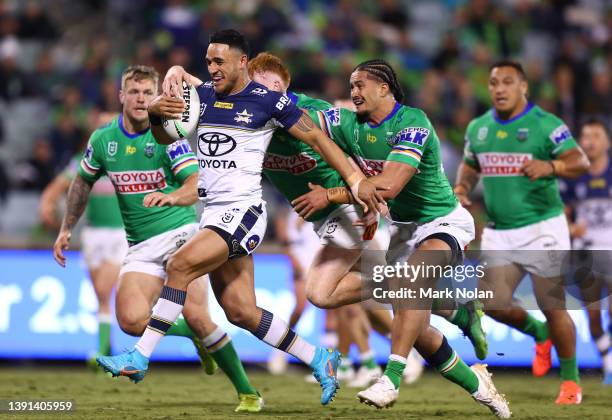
232 137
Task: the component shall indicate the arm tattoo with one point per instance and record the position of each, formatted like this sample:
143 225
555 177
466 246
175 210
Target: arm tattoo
305 123
76 202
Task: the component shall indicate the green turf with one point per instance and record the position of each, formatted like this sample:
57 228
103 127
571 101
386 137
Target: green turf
169 393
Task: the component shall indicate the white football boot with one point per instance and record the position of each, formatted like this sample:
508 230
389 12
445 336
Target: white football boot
381 394
487 394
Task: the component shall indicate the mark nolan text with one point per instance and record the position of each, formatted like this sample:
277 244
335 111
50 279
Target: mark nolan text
430 293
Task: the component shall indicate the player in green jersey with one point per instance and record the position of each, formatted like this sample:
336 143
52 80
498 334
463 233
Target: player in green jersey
102 239
519 150
397 146
154 186
292 167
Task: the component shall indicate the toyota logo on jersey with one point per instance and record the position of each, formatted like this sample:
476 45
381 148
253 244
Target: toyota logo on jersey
215 144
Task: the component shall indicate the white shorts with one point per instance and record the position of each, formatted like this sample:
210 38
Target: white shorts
150 256
241 225
303 241
538 248
337 230
406 237
101 245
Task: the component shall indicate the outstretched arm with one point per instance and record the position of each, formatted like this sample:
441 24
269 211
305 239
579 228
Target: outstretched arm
78 194
570 164
363 190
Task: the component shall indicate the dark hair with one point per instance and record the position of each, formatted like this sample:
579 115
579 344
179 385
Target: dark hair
509 63
593 120
231 37
383 71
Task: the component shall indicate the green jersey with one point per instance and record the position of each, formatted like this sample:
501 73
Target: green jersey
498 149
405 136
137 165
102 208
291 164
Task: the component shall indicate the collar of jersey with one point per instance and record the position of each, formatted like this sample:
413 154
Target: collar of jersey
396 108
523 112
130 135
237 93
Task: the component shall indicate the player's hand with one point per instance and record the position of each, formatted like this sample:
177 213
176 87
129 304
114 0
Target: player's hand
464 200
165 106
535 169
367 195
172 85
159 199
306 205
61 244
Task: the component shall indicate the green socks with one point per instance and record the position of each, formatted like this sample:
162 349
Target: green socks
537 329
448 363
395 369
104 346
180 328
219 346
569 369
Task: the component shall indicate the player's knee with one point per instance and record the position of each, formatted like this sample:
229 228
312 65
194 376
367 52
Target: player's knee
131 323
177 266
242 316
320 299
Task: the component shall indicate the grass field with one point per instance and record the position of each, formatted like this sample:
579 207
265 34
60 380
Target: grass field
183 393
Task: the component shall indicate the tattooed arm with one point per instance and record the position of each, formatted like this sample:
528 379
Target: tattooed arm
365 192
78 195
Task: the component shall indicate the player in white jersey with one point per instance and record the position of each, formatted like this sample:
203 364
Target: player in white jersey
237 120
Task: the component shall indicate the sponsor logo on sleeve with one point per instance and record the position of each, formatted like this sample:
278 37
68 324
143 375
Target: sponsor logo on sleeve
333 116
88 153
178 149
560 134
282 101
415 135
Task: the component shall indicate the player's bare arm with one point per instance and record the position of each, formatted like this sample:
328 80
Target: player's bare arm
365 192
186 195
164 106
78 194
393 178
173 81
467 178
569 164
49 199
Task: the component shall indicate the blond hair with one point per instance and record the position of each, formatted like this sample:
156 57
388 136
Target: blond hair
139 72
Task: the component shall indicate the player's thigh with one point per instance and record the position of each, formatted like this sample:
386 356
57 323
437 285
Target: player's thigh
105 277
329 266
549 292
502 280
234 287
200 255
136 294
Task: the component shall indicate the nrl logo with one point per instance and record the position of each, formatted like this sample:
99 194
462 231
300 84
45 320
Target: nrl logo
243 117
112 148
